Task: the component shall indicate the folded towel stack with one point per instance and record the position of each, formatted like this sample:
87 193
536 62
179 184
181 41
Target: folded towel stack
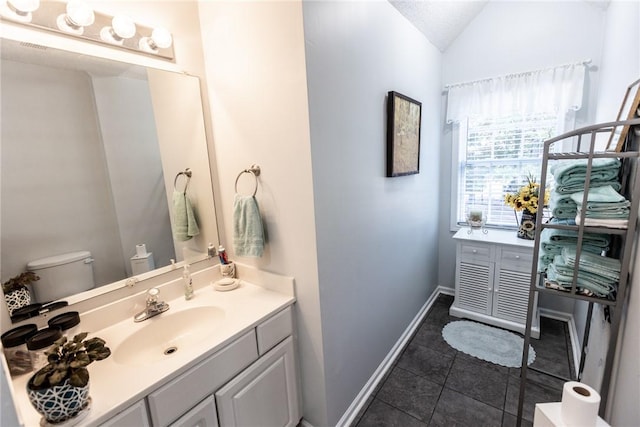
553 241
597 275
562 206
604 205
570 175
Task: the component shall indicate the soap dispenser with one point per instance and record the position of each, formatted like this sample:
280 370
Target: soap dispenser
188 285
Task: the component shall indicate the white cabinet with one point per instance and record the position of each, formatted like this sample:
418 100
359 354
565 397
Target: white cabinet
203 415
134 415
250 382
493 273
265 394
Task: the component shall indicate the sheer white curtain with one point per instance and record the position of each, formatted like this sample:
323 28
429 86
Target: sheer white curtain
557 89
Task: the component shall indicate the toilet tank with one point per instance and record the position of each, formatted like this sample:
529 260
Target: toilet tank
62 275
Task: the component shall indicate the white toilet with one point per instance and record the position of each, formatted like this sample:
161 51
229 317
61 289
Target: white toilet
62 275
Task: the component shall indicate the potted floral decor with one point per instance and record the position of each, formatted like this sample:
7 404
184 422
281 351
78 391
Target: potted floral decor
16 292
526 200
60 389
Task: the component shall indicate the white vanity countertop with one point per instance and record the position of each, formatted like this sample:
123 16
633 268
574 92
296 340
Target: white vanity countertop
502 237
115 386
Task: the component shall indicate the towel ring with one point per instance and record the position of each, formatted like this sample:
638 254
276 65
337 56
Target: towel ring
187 172
255 170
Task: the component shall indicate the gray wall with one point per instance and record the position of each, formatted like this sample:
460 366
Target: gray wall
376 236
55 188
511 37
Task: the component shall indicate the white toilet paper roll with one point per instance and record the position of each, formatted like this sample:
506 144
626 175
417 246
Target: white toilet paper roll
580 405
141 250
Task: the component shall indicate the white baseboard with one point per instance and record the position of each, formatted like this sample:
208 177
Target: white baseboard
361 399
573 332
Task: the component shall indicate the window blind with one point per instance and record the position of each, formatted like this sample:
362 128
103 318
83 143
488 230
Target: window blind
495 157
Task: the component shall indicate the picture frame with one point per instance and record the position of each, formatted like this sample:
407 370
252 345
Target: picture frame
628 110
404 119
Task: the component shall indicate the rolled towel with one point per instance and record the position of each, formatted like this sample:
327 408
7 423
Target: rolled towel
562 206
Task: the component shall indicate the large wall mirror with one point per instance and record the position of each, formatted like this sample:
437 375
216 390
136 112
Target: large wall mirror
90 152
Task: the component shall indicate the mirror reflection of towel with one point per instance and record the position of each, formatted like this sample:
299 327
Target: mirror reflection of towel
248 234
185 225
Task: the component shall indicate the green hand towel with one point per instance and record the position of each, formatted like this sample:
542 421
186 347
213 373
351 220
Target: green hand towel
604 194
185 225
248 233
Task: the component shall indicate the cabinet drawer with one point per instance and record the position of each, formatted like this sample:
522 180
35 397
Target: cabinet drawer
135 415
274 330
516 260
178 396
474 252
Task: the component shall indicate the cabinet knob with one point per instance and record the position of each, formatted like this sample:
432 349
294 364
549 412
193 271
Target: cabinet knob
475 251
517 256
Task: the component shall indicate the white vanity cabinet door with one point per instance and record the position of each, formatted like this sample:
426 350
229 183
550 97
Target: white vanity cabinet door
511 288
134 415
178 396
474 278
203 415
265 394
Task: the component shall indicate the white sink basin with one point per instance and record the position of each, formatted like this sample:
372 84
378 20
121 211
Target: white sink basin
168 334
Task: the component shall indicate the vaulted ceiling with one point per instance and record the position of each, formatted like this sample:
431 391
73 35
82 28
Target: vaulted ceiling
441 21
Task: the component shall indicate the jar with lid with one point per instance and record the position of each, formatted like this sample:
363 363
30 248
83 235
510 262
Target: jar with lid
68 323
39 343
15 349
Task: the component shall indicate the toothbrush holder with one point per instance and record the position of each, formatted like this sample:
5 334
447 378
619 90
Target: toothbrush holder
228 270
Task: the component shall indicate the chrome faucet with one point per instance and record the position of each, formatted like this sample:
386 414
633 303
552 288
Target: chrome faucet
153 308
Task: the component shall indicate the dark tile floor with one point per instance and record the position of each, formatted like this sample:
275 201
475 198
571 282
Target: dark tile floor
432 384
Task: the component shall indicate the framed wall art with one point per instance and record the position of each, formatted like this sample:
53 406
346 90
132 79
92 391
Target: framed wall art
403 135
628 110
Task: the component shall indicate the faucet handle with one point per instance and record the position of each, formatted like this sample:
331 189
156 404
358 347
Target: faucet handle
152 295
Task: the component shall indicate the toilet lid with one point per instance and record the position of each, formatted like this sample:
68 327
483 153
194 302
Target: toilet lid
57 260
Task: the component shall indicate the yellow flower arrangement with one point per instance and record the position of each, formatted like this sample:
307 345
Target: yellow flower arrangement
527 197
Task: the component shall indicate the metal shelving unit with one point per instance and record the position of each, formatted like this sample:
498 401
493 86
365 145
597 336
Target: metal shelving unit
583 142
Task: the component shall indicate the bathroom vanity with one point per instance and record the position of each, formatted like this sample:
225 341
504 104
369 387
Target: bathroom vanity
219 359
493 273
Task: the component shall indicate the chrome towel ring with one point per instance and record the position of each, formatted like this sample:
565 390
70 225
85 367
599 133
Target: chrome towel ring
187 172
255 170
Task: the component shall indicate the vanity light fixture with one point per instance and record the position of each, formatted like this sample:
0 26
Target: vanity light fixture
78 15
76 18
22 10
160 39
122 28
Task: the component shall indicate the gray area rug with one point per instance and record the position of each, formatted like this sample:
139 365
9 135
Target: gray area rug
487 343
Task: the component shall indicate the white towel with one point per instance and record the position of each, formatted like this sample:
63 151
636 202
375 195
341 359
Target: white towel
248 234
185 225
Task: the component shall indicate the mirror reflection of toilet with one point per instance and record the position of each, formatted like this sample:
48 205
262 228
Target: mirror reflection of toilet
62 275
142 263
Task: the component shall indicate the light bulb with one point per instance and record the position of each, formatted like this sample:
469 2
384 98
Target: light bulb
122 27
20 10
160 39
78 16
24 6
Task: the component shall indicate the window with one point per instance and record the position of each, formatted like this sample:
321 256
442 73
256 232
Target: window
494 156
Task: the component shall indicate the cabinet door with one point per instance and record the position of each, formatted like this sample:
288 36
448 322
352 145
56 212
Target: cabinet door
135 415
511 295
474 286
265 394
203 415
511 288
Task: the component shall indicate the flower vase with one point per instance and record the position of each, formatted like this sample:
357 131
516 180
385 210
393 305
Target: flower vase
59 403
527 228
16 299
